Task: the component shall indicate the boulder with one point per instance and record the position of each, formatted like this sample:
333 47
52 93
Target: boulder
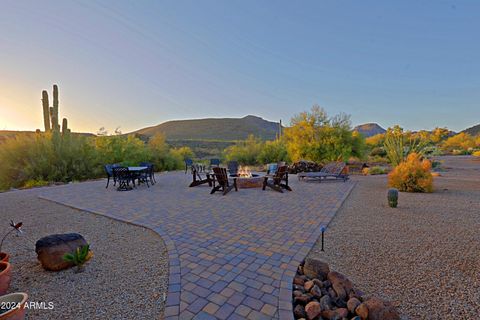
381 310
336 314
51 249
352 304
314 268
299 312
340 284
362 311
299 281
326 303
303 299
316 292
308 285
313 310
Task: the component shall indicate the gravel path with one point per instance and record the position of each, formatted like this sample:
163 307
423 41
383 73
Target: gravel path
423 255
126 279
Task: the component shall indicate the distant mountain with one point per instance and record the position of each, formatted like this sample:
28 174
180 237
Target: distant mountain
214 129
475 130
369 129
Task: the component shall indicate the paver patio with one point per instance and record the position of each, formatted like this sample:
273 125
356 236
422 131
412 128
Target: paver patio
230 256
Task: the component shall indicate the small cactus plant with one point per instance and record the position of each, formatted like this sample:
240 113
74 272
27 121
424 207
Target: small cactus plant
392 196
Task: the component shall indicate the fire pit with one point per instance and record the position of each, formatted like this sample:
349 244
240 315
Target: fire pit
247 179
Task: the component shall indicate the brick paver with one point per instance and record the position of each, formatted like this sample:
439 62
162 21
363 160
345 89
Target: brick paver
230 256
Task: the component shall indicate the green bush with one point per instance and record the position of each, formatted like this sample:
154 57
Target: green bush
316 137
245 152
273 151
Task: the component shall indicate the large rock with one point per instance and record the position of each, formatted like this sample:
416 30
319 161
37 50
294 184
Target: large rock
51 249
313 310
381 310
362 311
299 312
314 268
326 303
352 304
340 284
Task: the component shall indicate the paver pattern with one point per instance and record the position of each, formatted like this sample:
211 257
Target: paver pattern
230 257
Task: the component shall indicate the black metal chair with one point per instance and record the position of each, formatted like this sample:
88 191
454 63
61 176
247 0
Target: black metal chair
123 176
109 171
149 173
188 164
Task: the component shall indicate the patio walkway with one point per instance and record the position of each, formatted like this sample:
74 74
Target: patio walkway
230 256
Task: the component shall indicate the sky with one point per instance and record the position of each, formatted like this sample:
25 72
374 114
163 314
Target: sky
132 64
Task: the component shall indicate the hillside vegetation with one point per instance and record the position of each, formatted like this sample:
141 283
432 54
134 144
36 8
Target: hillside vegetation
214 129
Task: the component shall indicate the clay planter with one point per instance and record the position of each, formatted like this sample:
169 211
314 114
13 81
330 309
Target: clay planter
17 300
5 276
4 257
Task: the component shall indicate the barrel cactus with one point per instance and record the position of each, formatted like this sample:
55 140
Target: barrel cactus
392 196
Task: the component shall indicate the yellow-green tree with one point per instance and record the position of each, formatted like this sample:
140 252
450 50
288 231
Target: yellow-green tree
459 143
317 137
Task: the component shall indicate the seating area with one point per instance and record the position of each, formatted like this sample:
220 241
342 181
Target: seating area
332 170
126 177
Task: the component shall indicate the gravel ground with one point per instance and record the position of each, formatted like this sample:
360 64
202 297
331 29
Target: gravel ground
424 255
126 279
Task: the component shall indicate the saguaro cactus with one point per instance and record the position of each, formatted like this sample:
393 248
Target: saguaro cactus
46 110
55 118
65 129
392 196
50 114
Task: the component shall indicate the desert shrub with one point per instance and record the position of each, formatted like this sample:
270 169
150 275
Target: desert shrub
412 175
378 152
376 140
399 144
273 151
377 170
246 152
316 137
126 150
183 153
161 156
462 143
46 157
476 153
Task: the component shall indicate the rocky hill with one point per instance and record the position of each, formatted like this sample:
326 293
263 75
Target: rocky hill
369 129
214 129
475 130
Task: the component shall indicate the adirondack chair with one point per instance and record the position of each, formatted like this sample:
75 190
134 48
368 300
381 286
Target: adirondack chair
232 168
278 181
214 163
198 179
330 170
221 178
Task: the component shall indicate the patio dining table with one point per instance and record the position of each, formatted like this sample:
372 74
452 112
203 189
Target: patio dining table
137 169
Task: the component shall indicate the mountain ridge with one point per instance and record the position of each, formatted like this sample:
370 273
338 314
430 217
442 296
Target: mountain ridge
214 129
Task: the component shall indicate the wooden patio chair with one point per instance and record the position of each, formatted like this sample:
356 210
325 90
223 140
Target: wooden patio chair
221 178
197 179
278 181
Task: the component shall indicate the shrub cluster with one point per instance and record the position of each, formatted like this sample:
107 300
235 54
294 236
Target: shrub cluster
412 175
36 160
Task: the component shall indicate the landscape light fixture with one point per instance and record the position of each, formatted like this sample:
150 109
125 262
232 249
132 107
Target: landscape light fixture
323 228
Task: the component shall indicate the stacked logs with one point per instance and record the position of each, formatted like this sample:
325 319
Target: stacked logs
304 166
319 293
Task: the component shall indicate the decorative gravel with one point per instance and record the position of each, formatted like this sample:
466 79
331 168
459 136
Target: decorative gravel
424 256
126 279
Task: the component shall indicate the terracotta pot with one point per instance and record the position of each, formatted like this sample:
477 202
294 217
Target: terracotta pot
4 257
5 276
17 299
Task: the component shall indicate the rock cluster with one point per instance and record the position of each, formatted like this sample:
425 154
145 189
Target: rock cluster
304 166
319 293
